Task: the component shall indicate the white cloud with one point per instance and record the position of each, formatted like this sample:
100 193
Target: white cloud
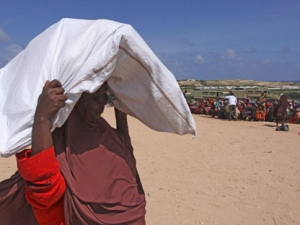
10 52
4 36
199 59
229 54
14 49
266 61
186 42
250 50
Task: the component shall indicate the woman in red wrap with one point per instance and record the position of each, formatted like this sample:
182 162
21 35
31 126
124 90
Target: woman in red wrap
82 173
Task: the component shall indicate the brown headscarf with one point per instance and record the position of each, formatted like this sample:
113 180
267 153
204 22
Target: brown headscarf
103 186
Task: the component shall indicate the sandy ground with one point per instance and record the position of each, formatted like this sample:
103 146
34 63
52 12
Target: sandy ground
233 172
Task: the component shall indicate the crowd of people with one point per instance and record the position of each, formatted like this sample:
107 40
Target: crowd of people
280 111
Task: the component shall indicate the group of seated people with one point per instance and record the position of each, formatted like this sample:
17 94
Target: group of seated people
248 109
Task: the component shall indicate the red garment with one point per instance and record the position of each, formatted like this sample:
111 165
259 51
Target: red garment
45 186
240 108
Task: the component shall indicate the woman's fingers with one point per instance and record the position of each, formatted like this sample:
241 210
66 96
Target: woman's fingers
62 98
51 99
55 84
58 90
46 84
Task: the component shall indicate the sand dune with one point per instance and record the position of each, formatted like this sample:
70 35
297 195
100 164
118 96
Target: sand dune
233 172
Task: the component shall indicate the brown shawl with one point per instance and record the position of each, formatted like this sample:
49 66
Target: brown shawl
281 107
103 186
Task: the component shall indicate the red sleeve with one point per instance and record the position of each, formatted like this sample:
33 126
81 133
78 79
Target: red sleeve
45 186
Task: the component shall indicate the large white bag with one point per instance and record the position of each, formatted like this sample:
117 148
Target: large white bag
82 54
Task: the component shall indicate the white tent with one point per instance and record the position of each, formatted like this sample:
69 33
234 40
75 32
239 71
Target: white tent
82 54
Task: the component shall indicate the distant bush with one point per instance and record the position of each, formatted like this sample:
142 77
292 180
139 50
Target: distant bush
294 95
203 82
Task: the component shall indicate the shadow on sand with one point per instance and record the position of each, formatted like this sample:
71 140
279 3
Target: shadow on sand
269 125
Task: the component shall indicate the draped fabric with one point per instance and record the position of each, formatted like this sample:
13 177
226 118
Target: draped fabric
280 111
14 209
282 105
82 55
103 186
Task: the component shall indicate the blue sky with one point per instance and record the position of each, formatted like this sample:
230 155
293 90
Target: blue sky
204 40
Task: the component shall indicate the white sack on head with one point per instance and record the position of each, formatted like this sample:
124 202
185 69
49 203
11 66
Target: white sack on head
82 55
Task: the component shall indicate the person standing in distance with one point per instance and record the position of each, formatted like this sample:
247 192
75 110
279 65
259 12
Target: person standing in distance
232 101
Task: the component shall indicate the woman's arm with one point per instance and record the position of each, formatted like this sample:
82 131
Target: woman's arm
122 124
50 101
45 186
